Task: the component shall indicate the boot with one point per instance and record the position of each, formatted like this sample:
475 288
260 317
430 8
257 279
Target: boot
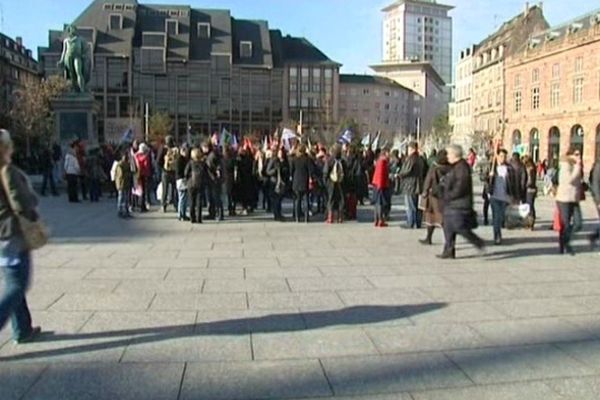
221 214
329 217
340 218
448 254
428 240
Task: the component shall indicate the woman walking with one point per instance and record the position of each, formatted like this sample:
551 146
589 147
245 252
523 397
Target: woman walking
432 195
15 258
567 196
531 188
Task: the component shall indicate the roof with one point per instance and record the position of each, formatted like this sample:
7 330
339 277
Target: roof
408 66
257 32
583 22
511 25
398 3
369 80
301 50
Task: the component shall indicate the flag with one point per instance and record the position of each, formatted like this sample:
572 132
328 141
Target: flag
265 144
375 144
128 136
225 137
288 134
346 137
234 142
366 140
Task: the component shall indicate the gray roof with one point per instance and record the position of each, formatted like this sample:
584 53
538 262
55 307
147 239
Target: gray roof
301 50
369 80
256 32
583 22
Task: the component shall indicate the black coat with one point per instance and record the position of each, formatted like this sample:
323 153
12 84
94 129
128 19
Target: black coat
458 188
513 184
275 168
595 182
301 171
195 174
413 174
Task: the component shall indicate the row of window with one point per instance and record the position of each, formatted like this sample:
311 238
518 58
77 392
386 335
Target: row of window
307 102
535 73
367 92
376 106
578 86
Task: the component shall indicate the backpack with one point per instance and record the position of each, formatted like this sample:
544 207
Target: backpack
337 172
170 164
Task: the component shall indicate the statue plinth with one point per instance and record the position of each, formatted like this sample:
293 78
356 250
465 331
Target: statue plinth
76 117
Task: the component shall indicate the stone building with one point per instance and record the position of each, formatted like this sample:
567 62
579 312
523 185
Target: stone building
553 92
208 70
377 104
17 66
488 96
461 109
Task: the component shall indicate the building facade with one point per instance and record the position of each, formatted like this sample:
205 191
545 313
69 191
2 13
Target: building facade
377 104
553 90
429 95
207 69
17 66
461 111
488 96
419 30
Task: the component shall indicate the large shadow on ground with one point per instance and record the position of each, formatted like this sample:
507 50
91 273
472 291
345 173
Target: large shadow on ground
274 323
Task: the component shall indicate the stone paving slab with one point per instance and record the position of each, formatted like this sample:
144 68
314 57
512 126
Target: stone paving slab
323 300
187 302
15 380
513 391
585 388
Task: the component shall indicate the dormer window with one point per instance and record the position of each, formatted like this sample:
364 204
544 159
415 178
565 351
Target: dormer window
115 22
552 35
108 7
172 27
533 43
575 27
129 7
174 13
245 49
596 19
203 30
118 7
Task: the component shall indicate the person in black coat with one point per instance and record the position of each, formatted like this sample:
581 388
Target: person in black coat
335 173
595 189
195 174
412 175
459 216
301 171
278 173
229 173
214 170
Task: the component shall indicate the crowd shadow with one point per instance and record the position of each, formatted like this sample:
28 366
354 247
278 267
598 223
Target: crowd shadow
274 323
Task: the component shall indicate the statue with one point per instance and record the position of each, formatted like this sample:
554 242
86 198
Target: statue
75 60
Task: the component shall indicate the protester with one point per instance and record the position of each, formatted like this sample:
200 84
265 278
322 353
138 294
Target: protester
19 201
504 190
181 182
381 184
167 161
195 176
532 189
301 172
143 159
72 172
433 194
278 171
123 181
567 197
412 175
472 158
214 169
47 169
458 215
484 167
595 189
335 176
520 176
95 175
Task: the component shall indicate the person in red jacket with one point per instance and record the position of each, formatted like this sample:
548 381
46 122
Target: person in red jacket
143 162
381 182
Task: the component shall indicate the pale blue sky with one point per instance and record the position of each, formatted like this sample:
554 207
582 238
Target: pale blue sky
348 31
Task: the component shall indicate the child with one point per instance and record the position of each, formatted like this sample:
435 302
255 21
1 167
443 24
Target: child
123 180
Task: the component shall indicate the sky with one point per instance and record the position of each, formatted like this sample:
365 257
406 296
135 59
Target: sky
348 31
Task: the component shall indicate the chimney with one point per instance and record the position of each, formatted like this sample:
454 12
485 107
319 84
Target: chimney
541 5
19 40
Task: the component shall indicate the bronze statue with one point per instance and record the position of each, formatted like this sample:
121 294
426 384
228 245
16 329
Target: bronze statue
75 60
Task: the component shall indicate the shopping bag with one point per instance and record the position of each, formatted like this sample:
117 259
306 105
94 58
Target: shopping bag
518 216
159 191
557 223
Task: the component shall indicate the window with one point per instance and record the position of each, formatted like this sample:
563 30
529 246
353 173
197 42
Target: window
578 91
203 30
172 27
245 49
366 92
518 101
579 64
535 98
293 87
304 102
305 87
293 72
153 39
328 73
518 80
107 6
555 95
316 87
535 75
115 22
293 102
305 73
316 74
556 71
489 99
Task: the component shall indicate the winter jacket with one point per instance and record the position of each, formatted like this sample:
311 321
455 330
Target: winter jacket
381 176
458 187
123 176
195 174
413 175
569 182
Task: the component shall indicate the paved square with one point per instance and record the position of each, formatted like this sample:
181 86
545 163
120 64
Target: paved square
252 309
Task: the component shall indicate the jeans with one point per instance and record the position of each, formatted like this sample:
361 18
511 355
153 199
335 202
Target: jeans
196 204
169 189
567 211
95 190
123 202
13 304
182 204
577 218
530 199
299 198
72 188
48 176
276 200
413 214
498 216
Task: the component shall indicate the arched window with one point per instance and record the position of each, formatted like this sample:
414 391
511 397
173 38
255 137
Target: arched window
577 138
534 145
516 140
554 144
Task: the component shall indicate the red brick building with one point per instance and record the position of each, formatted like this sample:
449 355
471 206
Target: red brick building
553 92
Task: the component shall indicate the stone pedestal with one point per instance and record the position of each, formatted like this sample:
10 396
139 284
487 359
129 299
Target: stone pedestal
76 117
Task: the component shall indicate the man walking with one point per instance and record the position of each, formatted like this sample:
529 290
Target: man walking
412 175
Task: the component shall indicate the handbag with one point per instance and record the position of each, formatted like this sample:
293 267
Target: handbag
557 224
35 233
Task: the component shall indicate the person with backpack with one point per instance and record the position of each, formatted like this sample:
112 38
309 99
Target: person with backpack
123 181
167 160
433 194
195 175
335 173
